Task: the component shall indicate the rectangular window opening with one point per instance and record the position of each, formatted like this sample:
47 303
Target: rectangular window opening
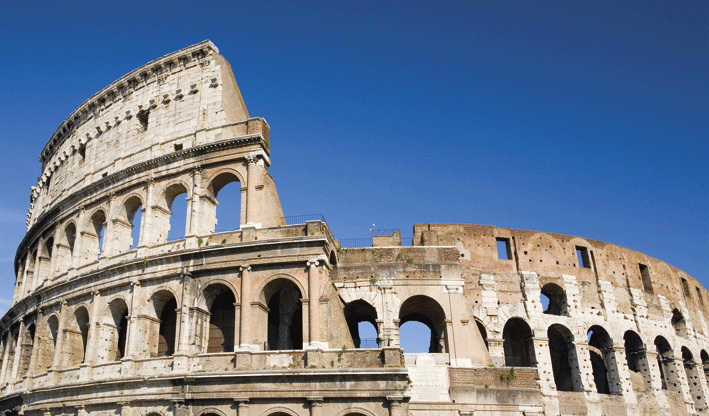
645 275
699 296
178 147
82 153
143 119
582 256
504 250
685 286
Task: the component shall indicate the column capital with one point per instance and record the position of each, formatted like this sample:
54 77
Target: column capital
315 401
312 263
245 267
252 158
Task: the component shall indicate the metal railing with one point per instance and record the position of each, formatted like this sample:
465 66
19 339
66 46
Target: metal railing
368 343
302 219
356 242
385 232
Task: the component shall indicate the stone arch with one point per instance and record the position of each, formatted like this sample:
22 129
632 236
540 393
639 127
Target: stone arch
692 372
429 312
217 181
564 360
356 411
557 299
518 344
284 319
665 361
483 332
93 236
45 356
357 311
123 225
211 411
220 301
679 323
279 411
206 296
637 361
705 363
65 246
113 331
603 362
162 343
26 343
76 337
163 212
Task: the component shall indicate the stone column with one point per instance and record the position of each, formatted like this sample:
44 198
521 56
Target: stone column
37 268
108 234
57 360
496 348
193 204
92 338
395 408
314 303
78 258
25 286
682 383
315 405
252 171
18 353
125 409
584 376
53 259
147 220
242 406
245 318
621 362
5 358
128 360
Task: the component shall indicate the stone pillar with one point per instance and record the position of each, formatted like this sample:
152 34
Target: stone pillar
242 406
128 360
544 365
18 353
108 234
496 347
92 339
193 204
5 358
583 377
252 170
314 303
395 408
37 268
57 360
53 259
532 292
623 373
147 221
245 318
315 405
78 258
125 409
677 364
25 285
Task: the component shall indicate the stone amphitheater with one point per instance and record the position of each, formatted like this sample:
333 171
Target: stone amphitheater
264 320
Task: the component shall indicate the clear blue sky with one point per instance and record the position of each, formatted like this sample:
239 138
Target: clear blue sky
584 118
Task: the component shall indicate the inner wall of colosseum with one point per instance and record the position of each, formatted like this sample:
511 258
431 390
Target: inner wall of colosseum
118 310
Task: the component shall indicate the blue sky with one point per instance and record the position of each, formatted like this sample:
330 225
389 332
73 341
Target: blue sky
583 118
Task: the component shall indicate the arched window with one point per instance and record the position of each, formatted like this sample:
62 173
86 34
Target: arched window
705 363
113 332
45 354
483 333
45 257
665 360
26 345
76 337
637 361
605 371
361 315
220 302
691 370
285 315
93 239
564 360
65 248
679 324
223 212
167 330
519 348
555 299
430 316
126 228
170 214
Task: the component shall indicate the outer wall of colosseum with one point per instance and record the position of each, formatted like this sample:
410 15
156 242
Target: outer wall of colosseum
113 315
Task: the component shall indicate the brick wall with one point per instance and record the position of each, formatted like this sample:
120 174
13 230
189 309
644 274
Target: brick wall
524 378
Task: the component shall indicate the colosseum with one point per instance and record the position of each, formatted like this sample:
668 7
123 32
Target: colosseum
111 317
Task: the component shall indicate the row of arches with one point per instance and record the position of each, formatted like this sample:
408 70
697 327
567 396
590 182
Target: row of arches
554 302
138 218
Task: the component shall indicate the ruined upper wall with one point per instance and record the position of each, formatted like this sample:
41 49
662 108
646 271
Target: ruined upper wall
184 99
552 256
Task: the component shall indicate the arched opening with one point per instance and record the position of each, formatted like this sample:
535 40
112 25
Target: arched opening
359 314
665 357
113 332
170 215
285 315
556 298
76 336
429 313
679 324
45 352
691 370
705 364
167 329
93 238
603 364
637 361
65 248
126 228
30 272
518 345
223 212
564 361
12 348
45 257
220 303
19 281
483 333
26 344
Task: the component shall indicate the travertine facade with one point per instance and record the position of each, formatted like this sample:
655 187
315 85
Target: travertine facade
262 321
